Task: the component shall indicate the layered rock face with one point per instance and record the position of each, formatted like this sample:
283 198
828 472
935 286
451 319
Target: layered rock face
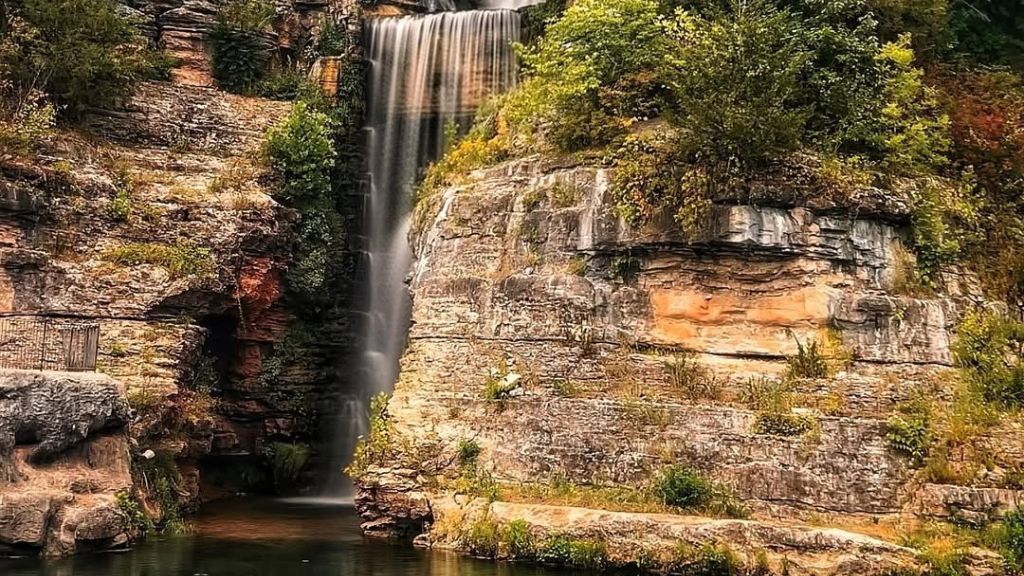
572 348
64 456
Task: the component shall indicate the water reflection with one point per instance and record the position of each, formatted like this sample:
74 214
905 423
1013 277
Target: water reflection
270 538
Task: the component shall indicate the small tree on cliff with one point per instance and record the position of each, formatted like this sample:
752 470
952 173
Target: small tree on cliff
81 53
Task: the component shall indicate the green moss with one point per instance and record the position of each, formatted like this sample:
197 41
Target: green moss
179 259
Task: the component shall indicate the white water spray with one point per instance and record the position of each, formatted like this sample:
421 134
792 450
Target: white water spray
426 71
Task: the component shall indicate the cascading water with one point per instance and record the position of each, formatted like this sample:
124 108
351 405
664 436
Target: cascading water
426 72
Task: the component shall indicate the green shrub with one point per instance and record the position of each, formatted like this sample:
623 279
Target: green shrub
914 135
784 423
287 462
133 513
693 379
735 81
300 153
484 538
179 259
910 431
376 448
578 553
1012 539
331 39
287 84
683 487
26 121
81 53
809 362
313 269
468 451
654 177
519 540
987 350
577 73
239 54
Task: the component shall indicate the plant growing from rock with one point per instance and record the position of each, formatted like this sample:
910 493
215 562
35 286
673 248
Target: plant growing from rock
239 54
1012 539
564 550
683 487
180 259
287 461
696 381
989 349
468 451
910 431
784 423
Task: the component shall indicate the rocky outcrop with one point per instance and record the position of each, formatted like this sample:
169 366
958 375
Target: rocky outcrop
573 348
55 411
64 442
659 540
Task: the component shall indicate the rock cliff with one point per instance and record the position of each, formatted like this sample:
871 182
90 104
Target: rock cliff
568 349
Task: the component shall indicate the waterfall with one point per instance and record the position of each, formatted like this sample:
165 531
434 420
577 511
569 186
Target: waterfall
426 71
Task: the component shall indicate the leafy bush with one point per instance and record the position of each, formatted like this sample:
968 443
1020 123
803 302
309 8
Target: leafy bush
376 447
683 487
652 177
913 135
81 53
300 153
239 54
784 423
519 540
585 73
988 351
331 39
735 81
910 431
180 259
1012 545
578 553
26 120
287 462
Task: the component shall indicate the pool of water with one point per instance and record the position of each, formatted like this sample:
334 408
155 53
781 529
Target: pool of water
271 538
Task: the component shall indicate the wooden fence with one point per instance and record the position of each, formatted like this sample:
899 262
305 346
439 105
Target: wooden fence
39 343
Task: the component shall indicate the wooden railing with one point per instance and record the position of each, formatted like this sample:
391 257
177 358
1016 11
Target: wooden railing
43 343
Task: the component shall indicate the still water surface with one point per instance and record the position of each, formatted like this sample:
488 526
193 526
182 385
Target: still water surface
270 538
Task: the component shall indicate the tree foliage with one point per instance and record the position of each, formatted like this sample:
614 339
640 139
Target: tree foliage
80 53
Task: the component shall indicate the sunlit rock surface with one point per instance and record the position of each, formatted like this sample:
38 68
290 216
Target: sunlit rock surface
528 268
